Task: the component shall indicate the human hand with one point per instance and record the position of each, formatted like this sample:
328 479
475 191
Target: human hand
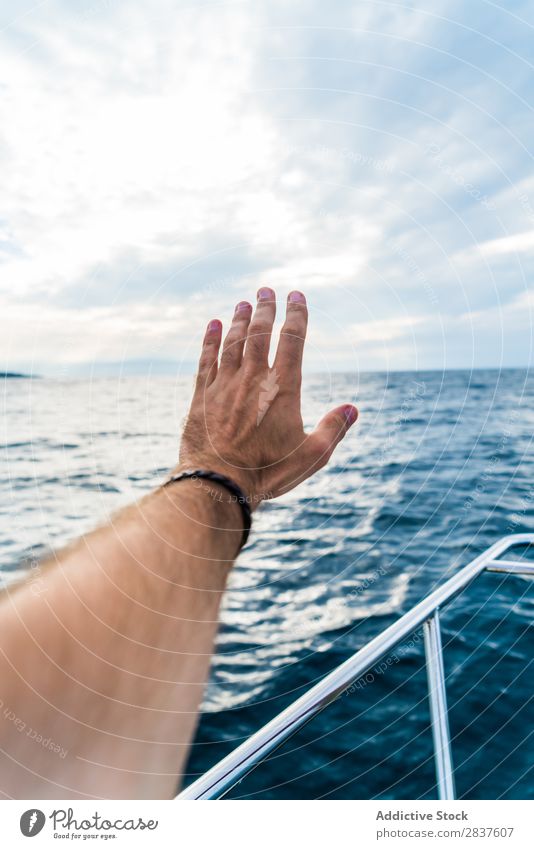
245 419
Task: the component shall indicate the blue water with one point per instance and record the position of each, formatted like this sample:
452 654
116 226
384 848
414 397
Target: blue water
438 467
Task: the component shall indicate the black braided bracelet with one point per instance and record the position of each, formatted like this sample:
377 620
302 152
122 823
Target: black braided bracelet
238 495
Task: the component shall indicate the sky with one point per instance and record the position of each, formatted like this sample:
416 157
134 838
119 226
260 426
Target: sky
162 160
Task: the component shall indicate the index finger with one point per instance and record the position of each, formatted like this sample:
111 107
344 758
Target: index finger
288 360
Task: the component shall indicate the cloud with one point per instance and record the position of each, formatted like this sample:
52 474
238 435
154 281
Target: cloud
518 243
159 163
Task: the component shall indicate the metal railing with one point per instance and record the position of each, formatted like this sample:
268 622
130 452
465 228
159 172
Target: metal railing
229 771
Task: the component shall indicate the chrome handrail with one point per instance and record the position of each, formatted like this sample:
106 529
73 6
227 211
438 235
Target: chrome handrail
439 718
231 769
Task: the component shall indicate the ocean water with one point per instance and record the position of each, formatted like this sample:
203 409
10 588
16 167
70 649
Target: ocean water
439 466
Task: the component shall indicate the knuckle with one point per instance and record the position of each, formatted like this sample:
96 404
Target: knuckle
259 327
256 345
297 311
295 326
292 347
207 357
298 305
296 322
232 346
230 341
266 305
229 355
323 447
205 365
235 338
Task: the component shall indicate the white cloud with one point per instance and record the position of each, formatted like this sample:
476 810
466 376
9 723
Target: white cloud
95 165
159 163
517 243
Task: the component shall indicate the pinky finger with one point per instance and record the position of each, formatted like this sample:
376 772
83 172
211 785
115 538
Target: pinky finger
207 366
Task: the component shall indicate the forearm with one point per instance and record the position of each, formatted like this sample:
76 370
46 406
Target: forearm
109 661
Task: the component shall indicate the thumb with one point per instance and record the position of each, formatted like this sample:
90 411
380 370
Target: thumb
331 430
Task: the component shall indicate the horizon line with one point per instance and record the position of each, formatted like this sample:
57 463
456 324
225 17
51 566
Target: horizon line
117 371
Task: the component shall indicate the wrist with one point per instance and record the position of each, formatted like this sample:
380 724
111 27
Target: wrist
219 491
237 475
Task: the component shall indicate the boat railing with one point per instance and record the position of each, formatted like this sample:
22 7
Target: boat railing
231 770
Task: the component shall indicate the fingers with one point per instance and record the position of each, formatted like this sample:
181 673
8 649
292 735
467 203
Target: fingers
330 431
288 360
207 366
234 343
259 332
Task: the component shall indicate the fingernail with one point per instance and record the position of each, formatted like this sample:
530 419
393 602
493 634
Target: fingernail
296 298
214 325
242 306
350 413
265 294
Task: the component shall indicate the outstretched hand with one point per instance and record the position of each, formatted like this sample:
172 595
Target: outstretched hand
245 419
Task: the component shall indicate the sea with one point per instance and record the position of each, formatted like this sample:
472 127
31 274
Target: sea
439 466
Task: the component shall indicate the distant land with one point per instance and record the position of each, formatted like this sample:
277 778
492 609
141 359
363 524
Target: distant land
6 374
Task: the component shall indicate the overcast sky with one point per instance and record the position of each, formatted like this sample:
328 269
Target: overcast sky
161 160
